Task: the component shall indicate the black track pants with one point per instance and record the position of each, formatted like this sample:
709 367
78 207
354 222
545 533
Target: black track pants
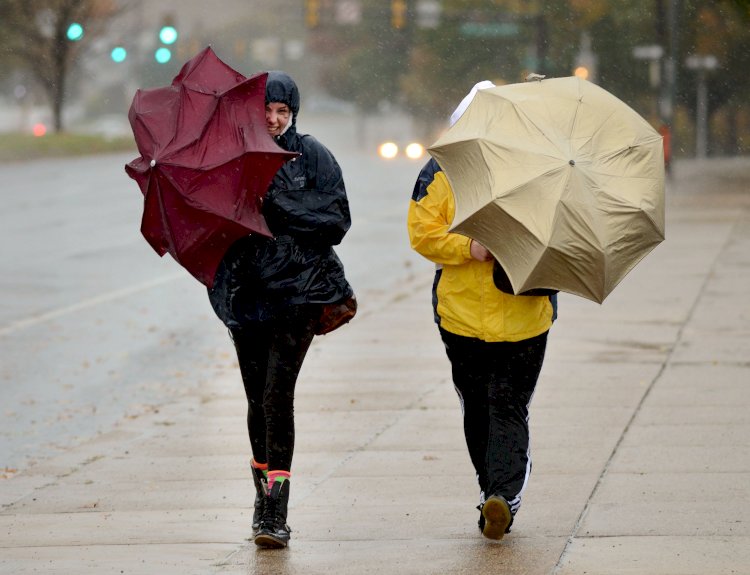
270 355
495 383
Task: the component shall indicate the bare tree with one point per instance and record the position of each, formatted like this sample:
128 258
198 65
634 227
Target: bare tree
34 35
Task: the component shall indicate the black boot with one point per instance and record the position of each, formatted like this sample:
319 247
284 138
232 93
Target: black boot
273 531
261 489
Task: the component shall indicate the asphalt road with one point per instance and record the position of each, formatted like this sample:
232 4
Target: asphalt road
95 328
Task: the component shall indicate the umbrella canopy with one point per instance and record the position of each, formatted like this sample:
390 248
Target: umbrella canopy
561 181
206 161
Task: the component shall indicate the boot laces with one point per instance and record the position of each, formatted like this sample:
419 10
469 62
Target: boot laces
272 516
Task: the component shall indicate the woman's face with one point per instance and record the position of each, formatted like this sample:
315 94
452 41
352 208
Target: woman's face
277 117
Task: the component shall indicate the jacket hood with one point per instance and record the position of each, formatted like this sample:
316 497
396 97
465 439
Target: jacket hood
281 88
459 111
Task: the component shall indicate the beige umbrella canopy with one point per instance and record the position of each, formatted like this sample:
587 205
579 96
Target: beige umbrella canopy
561 181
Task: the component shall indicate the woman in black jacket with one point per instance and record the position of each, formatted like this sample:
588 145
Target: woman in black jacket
270 293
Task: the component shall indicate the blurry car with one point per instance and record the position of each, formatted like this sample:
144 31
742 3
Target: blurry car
390 150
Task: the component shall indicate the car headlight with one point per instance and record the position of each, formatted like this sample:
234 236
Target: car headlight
414 151
388 150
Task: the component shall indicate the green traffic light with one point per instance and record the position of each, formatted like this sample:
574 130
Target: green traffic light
168 35
119 54
75 32
163 55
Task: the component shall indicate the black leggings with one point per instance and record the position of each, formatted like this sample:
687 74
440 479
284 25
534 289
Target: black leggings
270 355
495 382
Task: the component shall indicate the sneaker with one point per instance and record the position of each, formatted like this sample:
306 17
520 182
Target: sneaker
496 518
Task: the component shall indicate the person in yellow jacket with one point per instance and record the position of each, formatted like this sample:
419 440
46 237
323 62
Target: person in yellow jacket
494 340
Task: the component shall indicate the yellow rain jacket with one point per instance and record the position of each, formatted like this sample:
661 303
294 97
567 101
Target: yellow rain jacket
465 298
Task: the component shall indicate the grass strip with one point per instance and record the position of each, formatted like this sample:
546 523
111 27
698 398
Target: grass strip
19 147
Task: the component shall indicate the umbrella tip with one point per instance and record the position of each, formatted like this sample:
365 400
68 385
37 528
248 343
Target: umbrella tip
537 77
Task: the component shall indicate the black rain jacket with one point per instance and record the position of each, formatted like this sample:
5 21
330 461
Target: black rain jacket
307 211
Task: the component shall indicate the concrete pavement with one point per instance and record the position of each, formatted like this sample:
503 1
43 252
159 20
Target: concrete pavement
640 431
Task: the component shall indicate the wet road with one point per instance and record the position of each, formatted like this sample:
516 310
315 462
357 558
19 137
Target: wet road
95 328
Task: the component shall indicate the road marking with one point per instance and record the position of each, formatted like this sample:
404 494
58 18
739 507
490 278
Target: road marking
87 303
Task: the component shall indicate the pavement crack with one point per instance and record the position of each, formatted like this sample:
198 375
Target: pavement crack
665 363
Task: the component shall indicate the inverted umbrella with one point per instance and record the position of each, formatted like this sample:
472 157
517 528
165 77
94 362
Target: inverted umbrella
206 161
561 181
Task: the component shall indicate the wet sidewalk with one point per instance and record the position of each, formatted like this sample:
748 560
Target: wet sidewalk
640 429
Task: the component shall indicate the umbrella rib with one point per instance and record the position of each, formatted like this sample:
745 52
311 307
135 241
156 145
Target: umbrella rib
528 118
198 136
615 153
602 124
521 112
654 223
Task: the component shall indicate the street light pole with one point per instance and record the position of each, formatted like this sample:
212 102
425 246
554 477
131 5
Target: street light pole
586 60
653 54
702 65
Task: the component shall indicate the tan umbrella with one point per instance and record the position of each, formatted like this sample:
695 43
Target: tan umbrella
561 181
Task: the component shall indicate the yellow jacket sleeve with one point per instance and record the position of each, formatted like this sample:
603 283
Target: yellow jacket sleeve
428 221
465 299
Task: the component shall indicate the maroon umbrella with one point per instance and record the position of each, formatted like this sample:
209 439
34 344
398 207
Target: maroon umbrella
206 162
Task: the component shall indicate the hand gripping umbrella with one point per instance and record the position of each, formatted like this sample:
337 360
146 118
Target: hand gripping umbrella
561 181
206 162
